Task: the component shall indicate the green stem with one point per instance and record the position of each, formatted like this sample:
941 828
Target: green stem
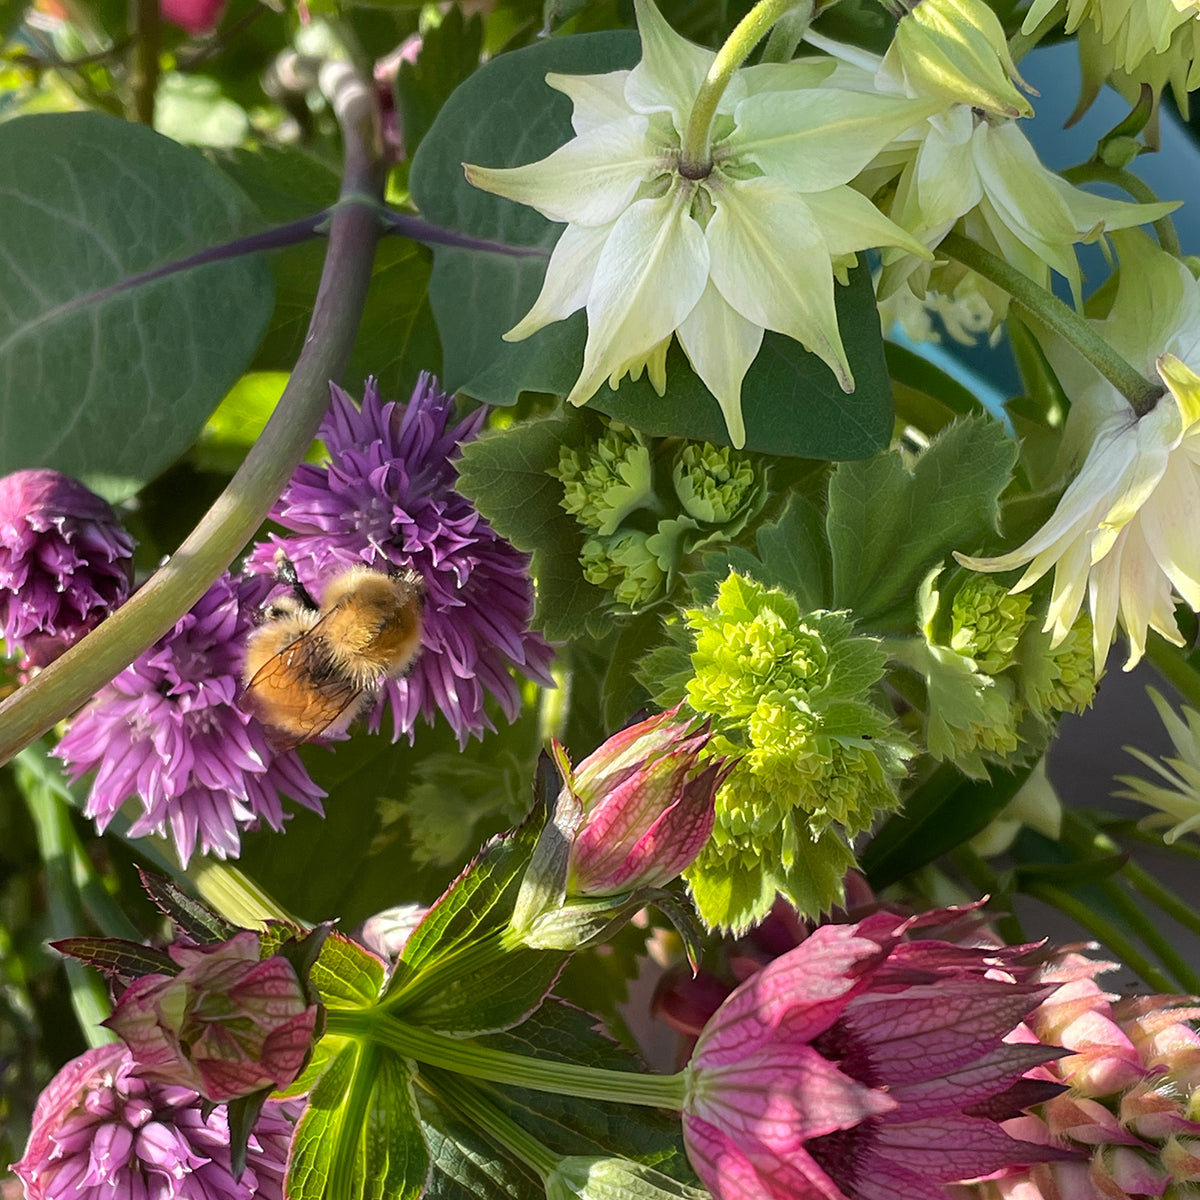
1160 945
59 847
695 161
499 1066
1048 309
471 1102
1174 668
243 506
980 875
147 46
1020 43
1170 902
1104 930
353 1114
1139 189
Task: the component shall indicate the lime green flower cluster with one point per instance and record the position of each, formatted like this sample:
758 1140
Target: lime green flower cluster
789 694
993 683
643 512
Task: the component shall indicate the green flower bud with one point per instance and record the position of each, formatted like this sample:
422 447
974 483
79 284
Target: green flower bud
1058 680
714 483
986 623
626 566
606 480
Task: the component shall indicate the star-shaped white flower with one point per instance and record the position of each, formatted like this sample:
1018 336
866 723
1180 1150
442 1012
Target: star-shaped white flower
754 244
1124 533
971 162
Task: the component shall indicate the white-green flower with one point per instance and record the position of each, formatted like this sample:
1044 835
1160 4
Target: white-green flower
1124 533
970 165
1177 797
755 244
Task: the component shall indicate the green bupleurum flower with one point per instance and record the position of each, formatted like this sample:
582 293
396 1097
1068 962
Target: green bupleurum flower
626 566
715 484
790 694
986 623
1057 679
606 480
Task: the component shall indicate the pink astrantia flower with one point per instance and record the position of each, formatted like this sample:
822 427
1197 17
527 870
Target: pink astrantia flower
102 1133
168 732
1134 1076
861 1066
387 499
65 563
227 1025
646 802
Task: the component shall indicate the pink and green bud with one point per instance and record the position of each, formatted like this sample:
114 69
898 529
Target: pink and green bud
647 799
228 1025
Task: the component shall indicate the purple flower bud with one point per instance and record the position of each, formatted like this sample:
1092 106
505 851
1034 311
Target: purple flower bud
647 800
65 563
227 1025
100 1132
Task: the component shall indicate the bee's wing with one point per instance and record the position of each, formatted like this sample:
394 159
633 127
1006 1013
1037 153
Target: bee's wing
292 698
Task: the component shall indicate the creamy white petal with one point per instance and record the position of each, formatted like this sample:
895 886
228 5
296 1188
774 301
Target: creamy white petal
1146 600
788 76
589 181
1070 587
946 182
671 71
849 222
1104 601
568 280
772 265
1169 523
598 99
818 139
1092 214
721 344
862 60
651 273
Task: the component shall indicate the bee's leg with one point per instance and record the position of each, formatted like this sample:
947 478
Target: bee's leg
285 572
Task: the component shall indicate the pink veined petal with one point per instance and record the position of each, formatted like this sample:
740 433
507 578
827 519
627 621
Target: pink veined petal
809 986
729 1174
952 1092
783 1095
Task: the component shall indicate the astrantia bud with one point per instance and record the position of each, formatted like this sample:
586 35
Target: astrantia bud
229 1024
65 562
647 807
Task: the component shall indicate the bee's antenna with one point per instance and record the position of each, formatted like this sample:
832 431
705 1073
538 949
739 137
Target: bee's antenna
285 573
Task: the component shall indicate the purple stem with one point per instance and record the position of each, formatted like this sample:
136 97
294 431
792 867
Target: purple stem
435 235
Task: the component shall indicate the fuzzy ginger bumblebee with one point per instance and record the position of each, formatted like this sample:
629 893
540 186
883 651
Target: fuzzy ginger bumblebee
311 668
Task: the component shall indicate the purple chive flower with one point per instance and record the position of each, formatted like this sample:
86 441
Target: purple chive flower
168 731
386 499
102 1133
65 563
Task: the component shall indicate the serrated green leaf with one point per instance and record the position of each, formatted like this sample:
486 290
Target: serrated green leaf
792 555
310 1160
506 475
505 115
887 526
945 811
112 385
346 975
396 1161
199 922
117 956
